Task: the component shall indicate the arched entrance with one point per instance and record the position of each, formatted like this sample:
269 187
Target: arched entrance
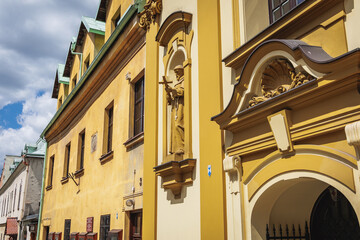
333 217
295 201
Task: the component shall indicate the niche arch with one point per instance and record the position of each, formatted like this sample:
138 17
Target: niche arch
175 36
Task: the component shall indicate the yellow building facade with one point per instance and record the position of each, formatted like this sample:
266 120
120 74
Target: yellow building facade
290 73
184 194
280 80
93 178
250 122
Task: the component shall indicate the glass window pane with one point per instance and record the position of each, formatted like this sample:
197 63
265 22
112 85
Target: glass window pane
299 1
286 7
275 3
139 89
137 112
138 127
276 14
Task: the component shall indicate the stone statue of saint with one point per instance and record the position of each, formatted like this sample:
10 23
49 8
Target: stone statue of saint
175 98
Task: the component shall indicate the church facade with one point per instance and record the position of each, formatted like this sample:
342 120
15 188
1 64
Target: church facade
282 158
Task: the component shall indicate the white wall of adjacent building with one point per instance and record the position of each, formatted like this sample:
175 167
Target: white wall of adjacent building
12 199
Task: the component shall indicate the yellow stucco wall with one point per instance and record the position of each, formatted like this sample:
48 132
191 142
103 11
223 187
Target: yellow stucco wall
113 8
212 191
103 186
63 93
256 17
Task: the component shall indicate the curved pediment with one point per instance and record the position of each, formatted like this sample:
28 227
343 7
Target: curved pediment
274 70
279 76
173 23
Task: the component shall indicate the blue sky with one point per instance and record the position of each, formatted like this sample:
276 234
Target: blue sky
35 36
9 114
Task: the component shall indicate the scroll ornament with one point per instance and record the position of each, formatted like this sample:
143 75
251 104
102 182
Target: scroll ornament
278 77
148 16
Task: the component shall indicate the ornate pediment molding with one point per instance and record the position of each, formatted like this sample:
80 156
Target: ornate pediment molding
278 77
302 61
172 24
151 9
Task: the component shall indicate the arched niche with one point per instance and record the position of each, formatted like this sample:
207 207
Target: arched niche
175 36
177 58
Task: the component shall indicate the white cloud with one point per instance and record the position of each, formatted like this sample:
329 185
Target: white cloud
34 42
36 114
35 36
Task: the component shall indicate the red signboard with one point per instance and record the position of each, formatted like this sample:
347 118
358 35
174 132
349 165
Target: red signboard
89 224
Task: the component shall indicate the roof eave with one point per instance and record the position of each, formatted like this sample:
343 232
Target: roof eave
132 10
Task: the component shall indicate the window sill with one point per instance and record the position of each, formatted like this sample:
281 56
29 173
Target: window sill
48 187
79 173
106 157
134 140
64 180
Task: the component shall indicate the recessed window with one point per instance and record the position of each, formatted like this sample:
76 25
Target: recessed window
81 150
109 128
104 226
73 82
108 133
14 201
60 102
11 200
86 63
115 20
139 107
67 161
279 8
20 190
50 173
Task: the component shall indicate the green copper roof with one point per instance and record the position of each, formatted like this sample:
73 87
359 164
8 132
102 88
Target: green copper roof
94 26
140 5
59 78
60 74
37 150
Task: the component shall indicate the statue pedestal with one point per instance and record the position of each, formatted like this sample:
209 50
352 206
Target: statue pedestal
174 157
176 174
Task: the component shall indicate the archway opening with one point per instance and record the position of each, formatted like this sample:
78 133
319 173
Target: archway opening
304 203
333 217
286 203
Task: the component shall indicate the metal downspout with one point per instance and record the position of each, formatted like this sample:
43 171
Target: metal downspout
42 190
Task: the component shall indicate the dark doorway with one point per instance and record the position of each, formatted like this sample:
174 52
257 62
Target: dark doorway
135 225
67 227
46 232
333 218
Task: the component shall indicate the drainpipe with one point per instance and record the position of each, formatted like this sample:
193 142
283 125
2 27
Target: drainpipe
42 191
73 44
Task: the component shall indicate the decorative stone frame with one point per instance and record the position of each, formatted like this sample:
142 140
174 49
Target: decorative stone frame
176 38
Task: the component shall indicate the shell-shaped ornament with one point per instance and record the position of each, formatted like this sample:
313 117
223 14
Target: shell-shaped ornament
276 77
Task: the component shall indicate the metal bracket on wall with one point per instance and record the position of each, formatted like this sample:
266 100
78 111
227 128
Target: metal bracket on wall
72 177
